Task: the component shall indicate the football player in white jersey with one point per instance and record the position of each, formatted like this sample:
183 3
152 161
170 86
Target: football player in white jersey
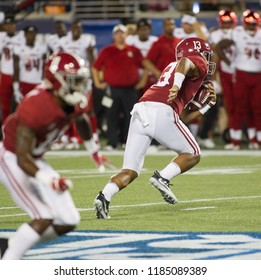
80 43
227 21
54 40
247 87
8 40
143 40
28 63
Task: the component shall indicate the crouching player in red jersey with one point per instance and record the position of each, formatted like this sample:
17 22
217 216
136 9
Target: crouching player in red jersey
158 115
43 115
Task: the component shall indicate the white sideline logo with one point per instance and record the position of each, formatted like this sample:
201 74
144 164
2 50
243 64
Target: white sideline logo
103 245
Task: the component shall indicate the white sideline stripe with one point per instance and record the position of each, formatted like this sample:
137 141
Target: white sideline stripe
255 153
149 204
13 215
8 207
198 208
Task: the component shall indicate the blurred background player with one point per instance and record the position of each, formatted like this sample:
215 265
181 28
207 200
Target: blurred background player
28 63
161 52
54 40
190 27
227 21
143 40
79 42
8 40
247 86
28 133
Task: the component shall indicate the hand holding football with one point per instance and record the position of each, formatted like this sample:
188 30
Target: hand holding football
202 97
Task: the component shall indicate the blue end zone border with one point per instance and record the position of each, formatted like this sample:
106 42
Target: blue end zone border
113 245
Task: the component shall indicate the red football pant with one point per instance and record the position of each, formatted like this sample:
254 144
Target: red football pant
229 99
26 87
247 92
6 95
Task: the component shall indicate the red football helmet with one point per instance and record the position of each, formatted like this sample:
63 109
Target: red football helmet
251 17
227 16
66 74
196 46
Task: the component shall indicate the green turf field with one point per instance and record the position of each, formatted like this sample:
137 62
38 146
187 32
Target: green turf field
222 194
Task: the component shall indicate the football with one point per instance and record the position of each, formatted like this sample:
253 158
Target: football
201 97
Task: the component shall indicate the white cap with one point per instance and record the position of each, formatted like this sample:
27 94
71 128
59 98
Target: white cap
119 27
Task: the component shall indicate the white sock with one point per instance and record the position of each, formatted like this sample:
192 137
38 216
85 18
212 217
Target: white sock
24 239
110 190
95 137
251 132
238 135
91 146
170 171
48 234
232 133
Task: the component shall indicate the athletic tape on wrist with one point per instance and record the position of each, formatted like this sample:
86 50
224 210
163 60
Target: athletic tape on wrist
204 109
178 79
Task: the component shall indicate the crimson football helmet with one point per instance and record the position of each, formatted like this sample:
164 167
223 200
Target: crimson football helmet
227 16
251 17
196 46
66 74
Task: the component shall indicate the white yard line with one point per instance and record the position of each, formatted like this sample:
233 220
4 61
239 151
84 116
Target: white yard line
79 153
198 208
149 204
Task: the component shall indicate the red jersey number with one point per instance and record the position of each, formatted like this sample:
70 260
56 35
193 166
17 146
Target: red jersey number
252 53
32 63
7 53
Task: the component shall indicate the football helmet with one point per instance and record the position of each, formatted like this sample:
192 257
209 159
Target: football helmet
196 46
66 74
251 17
227 16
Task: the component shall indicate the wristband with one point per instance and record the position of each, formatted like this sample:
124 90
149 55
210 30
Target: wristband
178 79
211 103
44 177
204 109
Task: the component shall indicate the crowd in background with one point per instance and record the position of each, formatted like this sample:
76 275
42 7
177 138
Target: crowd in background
121 71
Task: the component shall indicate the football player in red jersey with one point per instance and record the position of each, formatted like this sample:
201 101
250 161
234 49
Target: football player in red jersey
157 116
34 185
